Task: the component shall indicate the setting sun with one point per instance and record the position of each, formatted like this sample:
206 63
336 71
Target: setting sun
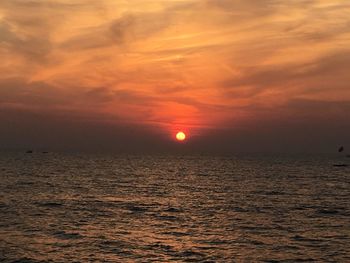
180 136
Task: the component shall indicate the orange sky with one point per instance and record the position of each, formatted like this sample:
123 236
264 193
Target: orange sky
195 65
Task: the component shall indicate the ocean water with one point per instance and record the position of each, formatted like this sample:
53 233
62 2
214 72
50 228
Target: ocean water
105 208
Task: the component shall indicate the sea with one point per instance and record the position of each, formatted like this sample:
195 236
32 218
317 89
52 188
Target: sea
60 207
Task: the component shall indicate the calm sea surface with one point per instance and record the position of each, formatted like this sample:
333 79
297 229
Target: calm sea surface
86 208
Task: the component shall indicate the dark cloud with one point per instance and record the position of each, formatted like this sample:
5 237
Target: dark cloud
123 30
34 48
44 130
27 26
99 95
36 96
18 91
245 8
48 4
92 38
138 26
325 73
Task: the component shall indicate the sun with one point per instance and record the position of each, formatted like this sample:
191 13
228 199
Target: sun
180 136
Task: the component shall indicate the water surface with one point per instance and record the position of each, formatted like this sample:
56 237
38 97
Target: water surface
95 208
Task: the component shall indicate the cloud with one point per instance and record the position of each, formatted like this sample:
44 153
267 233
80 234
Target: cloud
125 29
136 26
17 92
27 27
327 74
248 8
228 65
34 48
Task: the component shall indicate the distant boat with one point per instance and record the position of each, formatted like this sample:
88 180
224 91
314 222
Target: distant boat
341 149
29 151
44 152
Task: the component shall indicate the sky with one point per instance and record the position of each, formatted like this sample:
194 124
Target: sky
234 75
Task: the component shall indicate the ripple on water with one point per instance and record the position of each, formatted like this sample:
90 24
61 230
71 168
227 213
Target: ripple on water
84 208
67 235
